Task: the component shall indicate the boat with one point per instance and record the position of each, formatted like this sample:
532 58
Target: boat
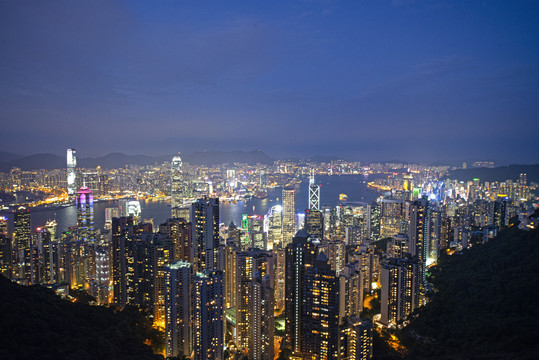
261 194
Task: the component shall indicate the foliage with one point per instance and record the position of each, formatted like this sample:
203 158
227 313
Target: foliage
485 305
35 323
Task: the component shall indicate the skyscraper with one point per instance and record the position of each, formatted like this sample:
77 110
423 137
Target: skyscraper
176 185
21 235
275 227
208 314
314 223
289 208
205 227
314 194
300 252
85 215
178 309
418 235
71 171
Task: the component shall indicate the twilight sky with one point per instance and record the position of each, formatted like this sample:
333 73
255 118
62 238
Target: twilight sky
367 80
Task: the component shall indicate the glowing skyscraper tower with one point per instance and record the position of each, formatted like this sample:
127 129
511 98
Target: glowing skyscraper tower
176 183
314 194
289 220
85 214
71 174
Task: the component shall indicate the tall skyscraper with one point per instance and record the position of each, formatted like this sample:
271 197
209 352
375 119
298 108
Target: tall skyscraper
320 318
176 185
178 309
300 252
289 221
208 314
314 194
205 227
356 339
418 235
85 215
5 248
71 171
391 217
275 227
21 240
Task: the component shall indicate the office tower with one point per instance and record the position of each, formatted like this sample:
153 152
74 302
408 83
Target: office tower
275 227
131 208
71 171
85 215
499 217
353 235
5 248
351 290
122 231
257 237
178 323
320 311
176 185
300 252
314 194
391 217
205 227
314 224
400 289
418 236
289 208
335 251
249 265
208 314
374 230
102 261
263 180
47 250
280 278
356 339
21 242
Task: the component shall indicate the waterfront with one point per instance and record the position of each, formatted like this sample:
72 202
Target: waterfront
355 186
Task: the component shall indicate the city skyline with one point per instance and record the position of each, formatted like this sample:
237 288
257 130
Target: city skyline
383 80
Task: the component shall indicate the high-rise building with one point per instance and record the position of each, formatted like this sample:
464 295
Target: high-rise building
254 298
208 315
205 227
320 318
5 248
356 339
391 217
85 215
314 194
275 227
351 290
102 261
289 221
21 241
400 289
178 309
71 171
314 223
301 252
176 185
418 235
335 251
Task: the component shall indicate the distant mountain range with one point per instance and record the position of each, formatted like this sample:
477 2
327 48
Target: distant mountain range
497 174
118 160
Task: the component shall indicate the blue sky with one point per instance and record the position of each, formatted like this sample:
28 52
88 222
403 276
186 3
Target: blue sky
367 80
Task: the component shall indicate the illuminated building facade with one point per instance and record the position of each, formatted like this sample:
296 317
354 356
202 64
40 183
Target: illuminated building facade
208 315
21 241
289 222
418 235
300 254
356 339
178 324
400 280
177 193
391 217
205 228
320 318
314 224
5 248
314 194
275 228
85 215
71 171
